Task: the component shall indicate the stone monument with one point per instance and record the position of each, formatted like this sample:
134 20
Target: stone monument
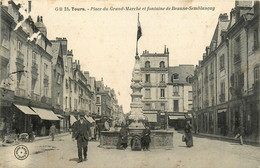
136 117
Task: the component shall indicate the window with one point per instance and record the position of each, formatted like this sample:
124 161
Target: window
66 102
58 98
147 64
67 85
98 100
58 78
162 93
189 79
75 88
175 105
222 92
46 91
147 93
237 49
257 73
206 73
222 62
162 106
211 68
147 78
45 67
190 95
97 89
75 104
189 106
176 90
147 106
162 78
256 40
19 45
175 76
70 102
34 58
98 109
162 64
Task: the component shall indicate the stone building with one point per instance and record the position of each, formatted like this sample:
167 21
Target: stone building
179 99
225 88
106 101
26 78
154 69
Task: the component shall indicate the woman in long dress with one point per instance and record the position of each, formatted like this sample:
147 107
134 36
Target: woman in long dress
188 134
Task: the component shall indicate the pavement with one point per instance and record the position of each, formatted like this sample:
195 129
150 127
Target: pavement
206 153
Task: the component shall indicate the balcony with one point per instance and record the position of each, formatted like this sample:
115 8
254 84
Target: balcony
20 92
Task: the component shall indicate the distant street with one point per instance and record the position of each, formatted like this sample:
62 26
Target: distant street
63 153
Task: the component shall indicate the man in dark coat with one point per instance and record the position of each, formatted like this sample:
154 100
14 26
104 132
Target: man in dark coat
123 138
146 138
82 133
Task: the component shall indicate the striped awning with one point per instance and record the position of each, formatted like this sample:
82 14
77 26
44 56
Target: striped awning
45 114
25 109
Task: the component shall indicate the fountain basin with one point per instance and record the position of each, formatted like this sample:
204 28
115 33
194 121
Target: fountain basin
160 139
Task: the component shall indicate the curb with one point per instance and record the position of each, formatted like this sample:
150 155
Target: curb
246 141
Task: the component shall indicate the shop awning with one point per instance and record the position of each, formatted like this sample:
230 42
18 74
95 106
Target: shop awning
59 116
45 114
180 117
72 119
90 119
151 117
25 109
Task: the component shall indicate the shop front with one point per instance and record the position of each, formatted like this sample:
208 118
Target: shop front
43 123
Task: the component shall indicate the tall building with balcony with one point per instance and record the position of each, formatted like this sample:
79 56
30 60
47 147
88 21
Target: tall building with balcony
26 77
225 88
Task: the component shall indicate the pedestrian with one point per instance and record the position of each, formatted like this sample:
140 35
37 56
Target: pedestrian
240 134
82 133
188 134
123 138
106 125
146 138
52 131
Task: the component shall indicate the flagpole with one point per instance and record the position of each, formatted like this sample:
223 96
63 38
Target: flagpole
137 38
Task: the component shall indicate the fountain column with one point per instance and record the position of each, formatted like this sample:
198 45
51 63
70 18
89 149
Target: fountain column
136 117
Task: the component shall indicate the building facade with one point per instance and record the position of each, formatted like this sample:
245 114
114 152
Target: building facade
225 88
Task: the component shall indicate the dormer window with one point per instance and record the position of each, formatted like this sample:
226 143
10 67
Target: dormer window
175 77
147 64
189 79
162 65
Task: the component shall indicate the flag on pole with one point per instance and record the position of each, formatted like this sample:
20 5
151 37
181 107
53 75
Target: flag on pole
139 29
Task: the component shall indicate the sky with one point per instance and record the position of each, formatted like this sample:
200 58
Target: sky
105 41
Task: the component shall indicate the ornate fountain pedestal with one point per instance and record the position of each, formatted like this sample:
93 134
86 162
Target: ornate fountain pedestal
159 138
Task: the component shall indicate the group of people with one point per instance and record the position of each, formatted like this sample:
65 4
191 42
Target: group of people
144 141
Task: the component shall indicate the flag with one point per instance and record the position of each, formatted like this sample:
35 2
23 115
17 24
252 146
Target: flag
139 29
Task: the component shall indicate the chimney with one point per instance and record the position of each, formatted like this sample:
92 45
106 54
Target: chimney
167 51
164 49
41 19
223 17
204 56
207 50
29 6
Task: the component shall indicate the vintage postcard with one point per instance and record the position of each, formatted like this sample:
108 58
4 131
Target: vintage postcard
120 83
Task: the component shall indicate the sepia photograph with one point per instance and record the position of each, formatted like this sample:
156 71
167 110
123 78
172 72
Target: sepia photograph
130 84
